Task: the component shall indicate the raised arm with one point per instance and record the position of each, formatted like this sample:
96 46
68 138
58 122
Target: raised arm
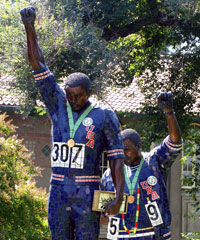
165 101
117 173
35 55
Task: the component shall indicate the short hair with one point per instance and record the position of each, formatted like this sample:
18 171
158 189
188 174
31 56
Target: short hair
132 135
78 79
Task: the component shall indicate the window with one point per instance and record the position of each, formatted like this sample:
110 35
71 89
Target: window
30 145
46 150
191 157
104 163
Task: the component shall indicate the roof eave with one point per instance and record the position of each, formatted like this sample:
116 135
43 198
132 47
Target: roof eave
9 108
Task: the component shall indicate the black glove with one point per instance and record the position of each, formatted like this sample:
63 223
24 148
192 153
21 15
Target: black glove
28 15
165 100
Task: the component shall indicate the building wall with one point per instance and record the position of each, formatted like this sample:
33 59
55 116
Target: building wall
190 224
174 195
35 133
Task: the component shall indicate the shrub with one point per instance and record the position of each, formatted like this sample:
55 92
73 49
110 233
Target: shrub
22 206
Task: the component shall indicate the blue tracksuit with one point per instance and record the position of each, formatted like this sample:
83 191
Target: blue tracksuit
76 171
152 187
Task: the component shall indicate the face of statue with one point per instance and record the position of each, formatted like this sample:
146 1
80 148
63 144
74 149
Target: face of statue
77 97
132 153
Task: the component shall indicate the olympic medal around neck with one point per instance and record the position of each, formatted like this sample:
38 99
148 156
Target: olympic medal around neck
73 127
131 199
71 143
131 185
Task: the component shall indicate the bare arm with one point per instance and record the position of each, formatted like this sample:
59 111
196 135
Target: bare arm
117 172
173 127
165 101
35 55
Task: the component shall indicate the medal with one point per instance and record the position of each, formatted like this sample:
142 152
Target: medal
71 143
131 185
74 126
131 199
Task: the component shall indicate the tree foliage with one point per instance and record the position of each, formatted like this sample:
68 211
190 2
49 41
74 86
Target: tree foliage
139 34
22 205
192 153
112 42
68 47
191 236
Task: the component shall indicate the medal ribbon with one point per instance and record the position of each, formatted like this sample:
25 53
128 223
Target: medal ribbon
136 215
131 185
131 188
73 127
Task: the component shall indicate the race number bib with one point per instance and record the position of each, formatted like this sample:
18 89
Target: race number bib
154 213
113 228
63 156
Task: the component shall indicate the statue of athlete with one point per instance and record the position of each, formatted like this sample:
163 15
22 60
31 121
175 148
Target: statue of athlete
81 131
148 216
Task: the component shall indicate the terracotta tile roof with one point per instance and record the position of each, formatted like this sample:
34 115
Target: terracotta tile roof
196 107
8 97
127 99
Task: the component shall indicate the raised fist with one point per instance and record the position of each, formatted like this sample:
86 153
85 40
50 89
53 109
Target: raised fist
165 100
28 15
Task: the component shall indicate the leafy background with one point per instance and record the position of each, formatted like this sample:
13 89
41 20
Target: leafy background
153 42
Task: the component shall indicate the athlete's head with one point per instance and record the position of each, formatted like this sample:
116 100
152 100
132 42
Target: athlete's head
132 147
77 88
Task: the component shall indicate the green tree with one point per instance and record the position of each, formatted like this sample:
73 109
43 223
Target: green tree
191 236
67 47
139 34
112 42
22 206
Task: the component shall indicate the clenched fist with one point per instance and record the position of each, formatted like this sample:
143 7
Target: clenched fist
28 15
165 100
